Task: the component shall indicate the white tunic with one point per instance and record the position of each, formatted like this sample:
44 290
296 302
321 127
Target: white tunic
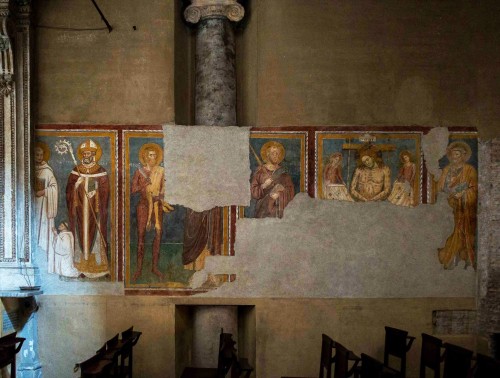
46 211
64 253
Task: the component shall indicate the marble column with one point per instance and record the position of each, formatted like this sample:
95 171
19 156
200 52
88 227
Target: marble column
215 88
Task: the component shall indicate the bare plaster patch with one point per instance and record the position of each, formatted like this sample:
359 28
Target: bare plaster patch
337 249
207 166
434 147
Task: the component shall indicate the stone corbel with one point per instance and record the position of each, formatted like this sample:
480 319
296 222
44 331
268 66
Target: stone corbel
204 9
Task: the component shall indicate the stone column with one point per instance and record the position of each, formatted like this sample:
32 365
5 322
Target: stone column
215 93
215 105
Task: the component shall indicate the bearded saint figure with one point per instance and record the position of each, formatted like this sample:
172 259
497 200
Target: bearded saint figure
87 196
271 184
459 181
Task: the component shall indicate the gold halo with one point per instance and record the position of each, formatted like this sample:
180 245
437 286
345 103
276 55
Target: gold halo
98 150
151 146
462 146
267 146
45 148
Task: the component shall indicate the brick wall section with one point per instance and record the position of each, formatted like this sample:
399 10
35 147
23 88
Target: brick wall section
489 239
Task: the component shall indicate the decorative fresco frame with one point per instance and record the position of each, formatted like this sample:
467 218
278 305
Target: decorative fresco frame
93 228
295 143
387 146
176 278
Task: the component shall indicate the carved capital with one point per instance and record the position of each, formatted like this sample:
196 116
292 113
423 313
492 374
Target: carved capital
203 9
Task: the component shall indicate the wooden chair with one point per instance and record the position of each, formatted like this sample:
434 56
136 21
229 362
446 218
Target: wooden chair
129 340
226 358
430 356
486 367
397 344
96 367
457 361
341 358
10 345
373 368
113 359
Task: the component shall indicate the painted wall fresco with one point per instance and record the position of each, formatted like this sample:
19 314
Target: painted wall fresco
278 161
157 234
459 183
75 202
366 167
102 215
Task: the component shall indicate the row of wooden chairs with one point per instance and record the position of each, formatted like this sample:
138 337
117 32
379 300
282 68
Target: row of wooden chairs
113 359
346 362
10 345
455 361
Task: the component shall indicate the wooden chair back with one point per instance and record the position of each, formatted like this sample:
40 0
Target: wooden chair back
127 334
113 342
10 345
342 359
457 361
430 356
486 367
397 344
227 353
326 360
371 367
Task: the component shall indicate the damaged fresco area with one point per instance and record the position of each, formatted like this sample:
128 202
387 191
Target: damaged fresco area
342 249
376 203
165 243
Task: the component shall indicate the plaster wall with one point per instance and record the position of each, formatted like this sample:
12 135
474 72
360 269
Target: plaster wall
96 77
364 62
287 331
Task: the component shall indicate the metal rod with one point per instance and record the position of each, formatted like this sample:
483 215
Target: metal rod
102 16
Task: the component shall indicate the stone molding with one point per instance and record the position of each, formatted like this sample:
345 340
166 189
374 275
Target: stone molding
204 9
7 59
